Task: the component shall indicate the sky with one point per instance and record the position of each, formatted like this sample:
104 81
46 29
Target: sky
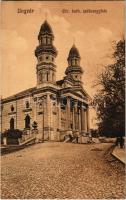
93 34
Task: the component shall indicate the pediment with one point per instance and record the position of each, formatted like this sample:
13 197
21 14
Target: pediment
77 91
82 92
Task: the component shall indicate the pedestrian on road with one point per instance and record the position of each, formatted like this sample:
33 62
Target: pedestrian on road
77 138
117 141
70 136
121 142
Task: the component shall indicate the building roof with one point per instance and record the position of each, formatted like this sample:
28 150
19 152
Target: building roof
74 52
60 82
45 28
70 69
34 90
47 49
20 94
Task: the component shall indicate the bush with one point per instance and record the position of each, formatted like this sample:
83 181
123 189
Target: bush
14 134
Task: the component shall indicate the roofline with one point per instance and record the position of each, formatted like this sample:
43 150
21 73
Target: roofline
29 92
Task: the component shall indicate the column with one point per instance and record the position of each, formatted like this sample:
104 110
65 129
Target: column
79 120
5 140
48 114
82 119
75 116
88 124
43 120
51 120
68 114
59 120
35 109
48 110
59 116
85 121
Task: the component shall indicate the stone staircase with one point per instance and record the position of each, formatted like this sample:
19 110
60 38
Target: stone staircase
11 148
25 141
81 139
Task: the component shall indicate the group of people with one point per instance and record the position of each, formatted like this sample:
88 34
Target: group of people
120 142
74 137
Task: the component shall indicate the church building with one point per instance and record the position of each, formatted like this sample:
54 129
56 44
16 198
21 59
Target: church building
58 107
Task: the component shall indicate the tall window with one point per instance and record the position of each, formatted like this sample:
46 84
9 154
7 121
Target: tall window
12 108
12 123
40 58
53 76
27 104
49 40
47 76
40 78
46 40
27 121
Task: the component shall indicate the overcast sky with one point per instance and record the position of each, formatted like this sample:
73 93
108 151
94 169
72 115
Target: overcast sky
94 35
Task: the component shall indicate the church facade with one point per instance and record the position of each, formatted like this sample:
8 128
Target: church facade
58 107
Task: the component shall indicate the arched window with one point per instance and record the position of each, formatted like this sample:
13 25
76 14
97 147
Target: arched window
27 121
53 76
12 108
27 104
46 40
40 78
47 76
12 123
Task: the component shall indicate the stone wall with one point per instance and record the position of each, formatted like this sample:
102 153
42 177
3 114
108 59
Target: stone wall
19 113
45 109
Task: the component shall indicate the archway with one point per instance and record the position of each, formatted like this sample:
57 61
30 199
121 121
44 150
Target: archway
12 123
27 121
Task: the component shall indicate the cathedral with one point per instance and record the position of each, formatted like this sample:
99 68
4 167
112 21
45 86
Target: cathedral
58 107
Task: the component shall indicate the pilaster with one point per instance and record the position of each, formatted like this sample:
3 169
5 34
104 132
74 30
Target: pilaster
73 118
68 114
76 116
59 116
79 120
88 123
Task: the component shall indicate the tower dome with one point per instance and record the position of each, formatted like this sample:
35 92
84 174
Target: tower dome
74 70
74 52
45 29
46 54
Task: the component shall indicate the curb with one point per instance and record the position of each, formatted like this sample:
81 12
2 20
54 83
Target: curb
112 153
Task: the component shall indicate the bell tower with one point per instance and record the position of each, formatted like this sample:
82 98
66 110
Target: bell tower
46 54
74 70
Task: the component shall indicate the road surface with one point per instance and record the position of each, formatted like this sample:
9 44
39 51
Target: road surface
62 170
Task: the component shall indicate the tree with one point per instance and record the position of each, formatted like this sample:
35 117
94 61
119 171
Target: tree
110 98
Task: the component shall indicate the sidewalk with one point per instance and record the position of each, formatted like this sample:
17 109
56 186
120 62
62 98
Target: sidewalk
119 154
